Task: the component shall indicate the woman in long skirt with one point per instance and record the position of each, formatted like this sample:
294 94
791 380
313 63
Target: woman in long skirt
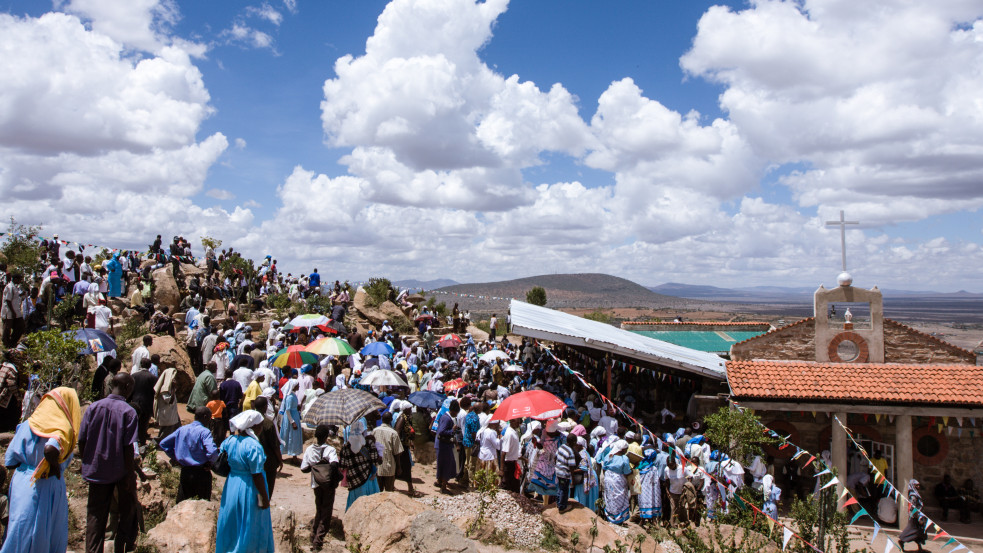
39 453
587 492
544 474
359 458
244 521
616 470
915 531
650 494
291 435
446 449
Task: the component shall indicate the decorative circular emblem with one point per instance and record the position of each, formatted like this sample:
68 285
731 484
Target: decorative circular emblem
848 347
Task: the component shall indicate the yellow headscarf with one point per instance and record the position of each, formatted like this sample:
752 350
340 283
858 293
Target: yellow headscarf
58 416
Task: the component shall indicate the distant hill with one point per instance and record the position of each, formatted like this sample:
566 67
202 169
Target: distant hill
585 290
416 285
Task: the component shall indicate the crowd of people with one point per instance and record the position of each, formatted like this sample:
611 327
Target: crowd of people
248 415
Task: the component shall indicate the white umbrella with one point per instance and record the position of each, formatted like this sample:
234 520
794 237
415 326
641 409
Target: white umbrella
494 354
514 369
382 377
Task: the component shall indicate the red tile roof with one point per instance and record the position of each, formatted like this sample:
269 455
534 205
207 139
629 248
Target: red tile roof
869 382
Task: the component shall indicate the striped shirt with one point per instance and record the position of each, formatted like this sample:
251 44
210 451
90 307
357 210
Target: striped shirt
565 460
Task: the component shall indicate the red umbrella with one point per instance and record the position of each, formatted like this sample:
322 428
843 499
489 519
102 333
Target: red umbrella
534 404
449 341
455 384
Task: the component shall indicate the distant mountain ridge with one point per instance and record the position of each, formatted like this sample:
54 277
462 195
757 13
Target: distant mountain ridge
414 285
592 290
781 294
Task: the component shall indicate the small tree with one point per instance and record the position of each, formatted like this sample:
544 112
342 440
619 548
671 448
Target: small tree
379 290
599 316
54 358
22 249
536 296
209 242
737 433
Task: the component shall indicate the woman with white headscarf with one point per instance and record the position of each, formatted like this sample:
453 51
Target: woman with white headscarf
244 522
359 458
291 435
915 531
544 474
616 470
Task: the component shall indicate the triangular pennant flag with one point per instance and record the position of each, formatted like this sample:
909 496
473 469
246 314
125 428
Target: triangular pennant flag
940 533
811 459
948 543
877 417
890 544
961 546
945 420
927 524
949 428
877 528
859 514
844 492
771 526
832 482
787 536
813 414
939 427
851 501
890 418
818 474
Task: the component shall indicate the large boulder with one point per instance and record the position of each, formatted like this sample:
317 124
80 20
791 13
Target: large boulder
285 530
394 523
376 315
166 291
174 354
579 521
188 528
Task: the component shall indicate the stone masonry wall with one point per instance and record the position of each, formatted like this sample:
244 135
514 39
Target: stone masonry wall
903 344
795 342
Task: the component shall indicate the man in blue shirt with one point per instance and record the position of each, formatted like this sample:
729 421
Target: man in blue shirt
194 449
314 282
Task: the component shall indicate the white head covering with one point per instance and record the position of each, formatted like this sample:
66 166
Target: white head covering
245 421
598 432
533 427
766 484
289 387
355 435
618 446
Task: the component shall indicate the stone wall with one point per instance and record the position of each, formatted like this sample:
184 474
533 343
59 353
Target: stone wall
903 344
795 342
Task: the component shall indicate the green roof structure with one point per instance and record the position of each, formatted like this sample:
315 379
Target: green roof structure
713 341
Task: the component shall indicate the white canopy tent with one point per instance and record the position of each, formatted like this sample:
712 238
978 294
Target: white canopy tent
556 326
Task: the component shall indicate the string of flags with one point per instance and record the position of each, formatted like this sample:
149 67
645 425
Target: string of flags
879 478
888 488
787 533
75 245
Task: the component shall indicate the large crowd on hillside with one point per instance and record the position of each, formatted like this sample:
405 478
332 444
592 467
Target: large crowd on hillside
249 415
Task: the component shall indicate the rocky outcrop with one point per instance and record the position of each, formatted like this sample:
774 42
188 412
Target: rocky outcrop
395 523
387 310
285 530
166 291
188 528
174 354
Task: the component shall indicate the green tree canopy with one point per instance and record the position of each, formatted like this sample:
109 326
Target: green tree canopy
536 296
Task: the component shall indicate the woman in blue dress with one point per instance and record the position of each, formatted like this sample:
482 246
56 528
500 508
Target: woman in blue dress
115 269
291 435
244 522
650 495
616 470
39 454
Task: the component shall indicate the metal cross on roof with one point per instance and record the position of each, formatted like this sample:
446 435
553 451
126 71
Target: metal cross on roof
842 223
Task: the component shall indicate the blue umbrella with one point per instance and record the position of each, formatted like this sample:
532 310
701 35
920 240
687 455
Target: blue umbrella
96 341
377 348
427 400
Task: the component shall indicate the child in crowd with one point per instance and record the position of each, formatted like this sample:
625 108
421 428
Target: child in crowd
217 407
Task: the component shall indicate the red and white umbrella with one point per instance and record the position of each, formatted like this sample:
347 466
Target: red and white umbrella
534 404
449 341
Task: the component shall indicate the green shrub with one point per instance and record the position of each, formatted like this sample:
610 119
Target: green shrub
536 296
379 290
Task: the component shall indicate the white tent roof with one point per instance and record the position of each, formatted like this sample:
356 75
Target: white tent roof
556 326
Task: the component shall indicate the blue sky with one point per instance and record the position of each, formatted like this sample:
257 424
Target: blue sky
681 141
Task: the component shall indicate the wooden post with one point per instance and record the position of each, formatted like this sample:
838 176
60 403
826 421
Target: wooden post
904 463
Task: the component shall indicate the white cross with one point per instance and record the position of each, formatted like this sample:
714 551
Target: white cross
842 223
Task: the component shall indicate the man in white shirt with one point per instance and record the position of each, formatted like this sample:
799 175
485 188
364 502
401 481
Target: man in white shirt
321 452
510 456
103 316
11 311
141 352
609 423
488 447
676 475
